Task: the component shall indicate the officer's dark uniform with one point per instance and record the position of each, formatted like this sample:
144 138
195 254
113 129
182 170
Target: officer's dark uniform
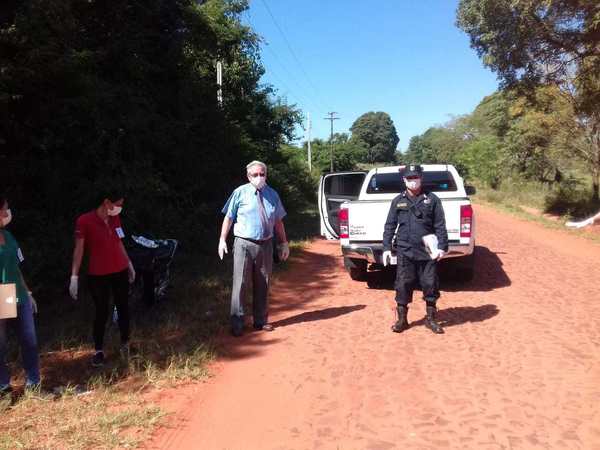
409 219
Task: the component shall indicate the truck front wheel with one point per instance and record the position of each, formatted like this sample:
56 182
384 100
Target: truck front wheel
357 268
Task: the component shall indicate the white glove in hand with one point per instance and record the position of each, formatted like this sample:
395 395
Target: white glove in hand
222 248
284 251
74 286
387 256
130 273
440 255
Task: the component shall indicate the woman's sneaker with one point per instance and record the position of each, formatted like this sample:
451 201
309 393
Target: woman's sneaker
98 359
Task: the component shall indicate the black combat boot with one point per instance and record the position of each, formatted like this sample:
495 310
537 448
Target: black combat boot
402 321
430 321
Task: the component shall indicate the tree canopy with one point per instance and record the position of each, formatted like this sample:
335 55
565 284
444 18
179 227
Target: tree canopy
375 131
95 94
534 41
554 44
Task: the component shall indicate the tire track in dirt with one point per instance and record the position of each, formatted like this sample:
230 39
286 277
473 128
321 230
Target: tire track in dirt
518 367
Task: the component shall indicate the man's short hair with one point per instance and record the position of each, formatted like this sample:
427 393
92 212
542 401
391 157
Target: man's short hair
256 163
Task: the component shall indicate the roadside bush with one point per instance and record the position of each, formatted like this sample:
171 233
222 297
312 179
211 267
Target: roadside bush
572 199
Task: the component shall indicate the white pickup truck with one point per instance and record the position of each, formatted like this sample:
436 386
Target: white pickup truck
354 207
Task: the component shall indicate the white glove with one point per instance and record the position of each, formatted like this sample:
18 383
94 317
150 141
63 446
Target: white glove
130 273
74 286
387 256
284 251
222 248
583 223
439 255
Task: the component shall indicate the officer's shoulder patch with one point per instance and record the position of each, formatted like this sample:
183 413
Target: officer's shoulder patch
427 201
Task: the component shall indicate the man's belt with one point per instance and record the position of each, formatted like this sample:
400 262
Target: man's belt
255 241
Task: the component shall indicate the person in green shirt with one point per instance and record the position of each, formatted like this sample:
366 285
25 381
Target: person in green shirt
10 258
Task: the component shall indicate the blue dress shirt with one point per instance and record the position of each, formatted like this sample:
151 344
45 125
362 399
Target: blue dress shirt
242 209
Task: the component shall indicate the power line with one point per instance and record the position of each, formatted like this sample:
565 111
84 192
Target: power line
287 43
308 99
303 97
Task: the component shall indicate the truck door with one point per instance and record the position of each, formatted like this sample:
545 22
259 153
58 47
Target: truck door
335 189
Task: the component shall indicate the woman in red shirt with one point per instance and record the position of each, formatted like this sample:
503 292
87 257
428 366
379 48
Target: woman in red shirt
98 233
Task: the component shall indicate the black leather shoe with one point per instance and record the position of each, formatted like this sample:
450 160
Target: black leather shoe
265 327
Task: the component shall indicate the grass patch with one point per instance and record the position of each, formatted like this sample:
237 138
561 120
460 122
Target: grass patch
103 419
173 342
537 198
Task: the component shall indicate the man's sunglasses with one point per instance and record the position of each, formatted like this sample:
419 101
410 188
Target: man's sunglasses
254 175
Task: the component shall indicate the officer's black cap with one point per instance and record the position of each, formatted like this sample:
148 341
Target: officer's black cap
412 170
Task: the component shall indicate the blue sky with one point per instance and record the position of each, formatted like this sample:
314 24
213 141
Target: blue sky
404 57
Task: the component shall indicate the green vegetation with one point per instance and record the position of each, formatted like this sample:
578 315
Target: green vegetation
376 133
96 96
103 419
93 96
549 53
373 141
541 131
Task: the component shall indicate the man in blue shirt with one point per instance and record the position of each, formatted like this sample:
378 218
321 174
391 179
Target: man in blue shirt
255 211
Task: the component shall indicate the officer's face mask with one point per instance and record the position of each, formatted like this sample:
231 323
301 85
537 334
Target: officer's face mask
258 180
414 184
6 219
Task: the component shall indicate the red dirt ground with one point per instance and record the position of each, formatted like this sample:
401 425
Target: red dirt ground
518 367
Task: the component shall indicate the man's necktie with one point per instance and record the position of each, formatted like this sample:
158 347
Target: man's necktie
263 215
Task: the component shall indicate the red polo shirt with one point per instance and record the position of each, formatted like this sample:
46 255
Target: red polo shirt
102 242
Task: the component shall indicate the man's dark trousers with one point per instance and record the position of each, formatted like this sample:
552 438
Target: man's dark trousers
408 272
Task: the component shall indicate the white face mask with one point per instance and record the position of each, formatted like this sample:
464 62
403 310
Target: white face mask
6 220
115 211
258 182
413 185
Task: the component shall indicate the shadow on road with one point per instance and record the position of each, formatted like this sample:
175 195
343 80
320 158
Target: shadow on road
459 315
299 286
489 274
319 314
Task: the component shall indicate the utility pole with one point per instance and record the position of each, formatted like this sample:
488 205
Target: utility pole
331 118
309 150
220 83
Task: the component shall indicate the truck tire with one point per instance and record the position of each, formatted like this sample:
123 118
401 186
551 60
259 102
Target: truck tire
465 269
357 268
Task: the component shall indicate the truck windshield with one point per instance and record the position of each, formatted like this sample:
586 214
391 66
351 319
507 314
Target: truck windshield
392 183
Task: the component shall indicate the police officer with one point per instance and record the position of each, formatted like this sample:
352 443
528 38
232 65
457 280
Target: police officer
414 214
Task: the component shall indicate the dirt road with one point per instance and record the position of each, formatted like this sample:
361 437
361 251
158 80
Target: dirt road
518 367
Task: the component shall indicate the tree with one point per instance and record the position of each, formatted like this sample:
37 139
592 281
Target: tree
482 158
97 93
530 43
375 131
346 155
438 145
534 41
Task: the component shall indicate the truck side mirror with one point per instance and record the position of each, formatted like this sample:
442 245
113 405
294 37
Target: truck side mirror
470 190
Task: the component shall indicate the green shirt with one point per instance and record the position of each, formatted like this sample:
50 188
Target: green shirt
10 258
